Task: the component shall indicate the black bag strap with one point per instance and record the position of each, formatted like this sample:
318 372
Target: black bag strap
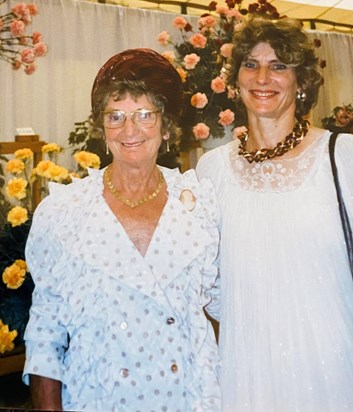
347 230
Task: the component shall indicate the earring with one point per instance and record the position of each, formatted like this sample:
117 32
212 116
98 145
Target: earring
106 145
237 92
166 138
301 96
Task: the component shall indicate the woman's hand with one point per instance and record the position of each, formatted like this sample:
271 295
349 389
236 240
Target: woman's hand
45 393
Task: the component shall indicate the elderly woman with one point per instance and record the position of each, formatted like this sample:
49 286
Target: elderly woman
123 266
286 334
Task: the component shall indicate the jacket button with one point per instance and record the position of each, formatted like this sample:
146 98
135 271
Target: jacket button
174 368
123 325
124 372
170 321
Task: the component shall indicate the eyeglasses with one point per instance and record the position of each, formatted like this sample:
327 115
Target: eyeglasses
141 118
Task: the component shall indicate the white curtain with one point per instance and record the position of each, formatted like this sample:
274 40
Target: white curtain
82 35
337 50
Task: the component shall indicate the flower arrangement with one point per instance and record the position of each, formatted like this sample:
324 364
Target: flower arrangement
16 47
16 284
200 58
344 123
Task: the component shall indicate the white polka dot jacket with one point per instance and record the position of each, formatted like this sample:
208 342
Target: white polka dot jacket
122 331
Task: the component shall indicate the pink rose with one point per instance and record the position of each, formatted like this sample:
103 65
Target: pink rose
226 50
226 117
33 9
222 10
28 56
20 10
239 132
163 38
198 41
36 37
191 60
234 13
17 28
218 85
31 68
201 131
199 100
179 23
40 49
207 21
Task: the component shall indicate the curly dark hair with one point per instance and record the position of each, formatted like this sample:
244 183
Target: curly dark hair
291 46
135 88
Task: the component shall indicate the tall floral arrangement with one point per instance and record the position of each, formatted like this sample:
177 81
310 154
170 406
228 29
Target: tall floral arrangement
16 46
201 58
347 110
16 284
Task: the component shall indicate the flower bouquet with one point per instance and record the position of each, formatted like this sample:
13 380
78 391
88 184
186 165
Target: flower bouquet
16 47
346 111
16 284
201 58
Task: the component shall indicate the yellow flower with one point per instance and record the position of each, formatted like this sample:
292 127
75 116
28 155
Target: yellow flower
15 166
75 175
87 159
169 55
16 187
50 170
51 147
42 168
6 338
17 216
57 173
13 276
182 73
21 263
24 154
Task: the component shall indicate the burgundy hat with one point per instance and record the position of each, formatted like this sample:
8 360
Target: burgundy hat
159 75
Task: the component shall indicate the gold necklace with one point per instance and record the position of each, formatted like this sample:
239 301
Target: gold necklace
293 139
126 201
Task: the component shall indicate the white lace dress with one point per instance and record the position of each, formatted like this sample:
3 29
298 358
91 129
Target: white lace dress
286 333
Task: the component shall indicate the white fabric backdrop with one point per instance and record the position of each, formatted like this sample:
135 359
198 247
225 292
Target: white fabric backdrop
82 35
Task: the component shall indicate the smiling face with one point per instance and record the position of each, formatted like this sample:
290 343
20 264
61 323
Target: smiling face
268 87
133 144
